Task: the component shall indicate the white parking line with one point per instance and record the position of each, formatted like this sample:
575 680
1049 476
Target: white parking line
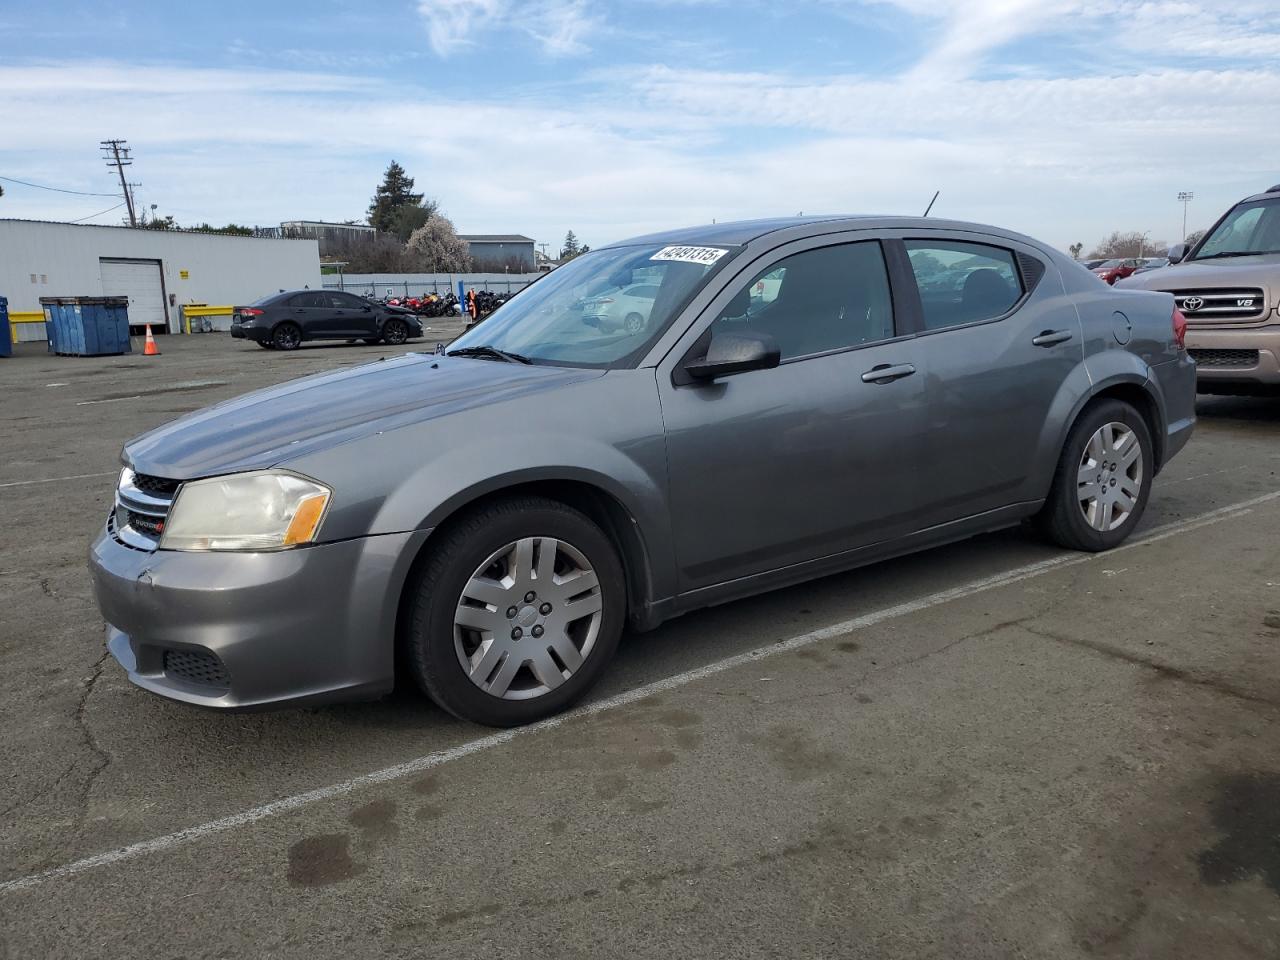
441 757
89 403
78 476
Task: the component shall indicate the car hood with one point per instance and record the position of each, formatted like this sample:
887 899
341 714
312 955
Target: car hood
269 427
1259 271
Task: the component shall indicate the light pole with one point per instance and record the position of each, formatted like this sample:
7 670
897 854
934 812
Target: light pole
1142 243
1185 197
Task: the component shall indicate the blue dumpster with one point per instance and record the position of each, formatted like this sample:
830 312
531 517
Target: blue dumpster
87 326
6 332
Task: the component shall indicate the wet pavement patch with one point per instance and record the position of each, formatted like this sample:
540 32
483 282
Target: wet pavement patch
1246 810
322 860
375 820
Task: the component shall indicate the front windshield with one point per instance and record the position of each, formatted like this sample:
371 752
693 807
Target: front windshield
602 309
1249 229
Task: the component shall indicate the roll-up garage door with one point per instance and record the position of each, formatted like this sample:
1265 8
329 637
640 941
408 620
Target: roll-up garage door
140 281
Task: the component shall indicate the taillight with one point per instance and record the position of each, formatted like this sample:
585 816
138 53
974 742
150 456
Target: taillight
250 312
1179 329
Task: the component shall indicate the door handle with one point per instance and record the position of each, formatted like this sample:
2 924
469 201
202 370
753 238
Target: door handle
888 372
1051 338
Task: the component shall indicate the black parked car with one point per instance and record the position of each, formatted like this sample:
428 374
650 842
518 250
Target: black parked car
283 320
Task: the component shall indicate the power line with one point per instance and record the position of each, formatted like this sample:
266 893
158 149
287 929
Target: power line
98 214
41 186
116 153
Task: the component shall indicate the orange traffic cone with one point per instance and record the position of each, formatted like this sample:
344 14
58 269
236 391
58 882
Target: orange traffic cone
150 349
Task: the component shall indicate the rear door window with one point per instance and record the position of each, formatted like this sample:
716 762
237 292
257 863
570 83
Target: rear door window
963 282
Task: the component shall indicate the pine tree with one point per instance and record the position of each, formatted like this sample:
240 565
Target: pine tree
394 193
570 248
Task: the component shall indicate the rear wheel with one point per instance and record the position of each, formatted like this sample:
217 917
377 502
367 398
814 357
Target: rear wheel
395 332
518 612
287 336
1103 480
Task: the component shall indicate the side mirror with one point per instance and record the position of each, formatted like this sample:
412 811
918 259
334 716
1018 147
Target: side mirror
1178 252
734 353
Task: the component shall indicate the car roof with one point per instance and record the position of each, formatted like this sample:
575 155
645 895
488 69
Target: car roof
1265 195
739 232
290 293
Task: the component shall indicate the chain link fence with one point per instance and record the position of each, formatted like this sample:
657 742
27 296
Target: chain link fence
380 285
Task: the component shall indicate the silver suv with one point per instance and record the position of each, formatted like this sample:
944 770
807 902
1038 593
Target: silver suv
1228 287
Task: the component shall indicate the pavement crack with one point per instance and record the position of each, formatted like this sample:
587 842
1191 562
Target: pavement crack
37 794
102 759
1162 669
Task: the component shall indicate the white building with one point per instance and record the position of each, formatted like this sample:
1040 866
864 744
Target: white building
158 270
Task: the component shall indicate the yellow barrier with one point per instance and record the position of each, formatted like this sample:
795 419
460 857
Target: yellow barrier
190 310
23 316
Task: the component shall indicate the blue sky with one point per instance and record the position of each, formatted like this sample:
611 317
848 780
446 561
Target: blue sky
1063 118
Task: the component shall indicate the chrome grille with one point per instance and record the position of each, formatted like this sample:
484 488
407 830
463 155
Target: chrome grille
142 506
1221 303
1241 359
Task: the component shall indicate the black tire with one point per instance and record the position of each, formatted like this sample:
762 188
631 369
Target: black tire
633 323
453 558
1062 519
286 336
395 332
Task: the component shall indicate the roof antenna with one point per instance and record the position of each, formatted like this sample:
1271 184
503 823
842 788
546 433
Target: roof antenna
932 202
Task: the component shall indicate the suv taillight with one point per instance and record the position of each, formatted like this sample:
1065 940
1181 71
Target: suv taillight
1179 329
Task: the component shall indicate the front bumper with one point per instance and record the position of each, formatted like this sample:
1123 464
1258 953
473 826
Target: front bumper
309 625
1265 340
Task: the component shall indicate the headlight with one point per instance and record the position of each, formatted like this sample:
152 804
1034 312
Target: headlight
267 510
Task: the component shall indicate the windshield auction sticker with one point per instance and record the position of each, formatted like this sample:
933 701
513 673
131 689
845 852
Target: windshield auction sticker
703 255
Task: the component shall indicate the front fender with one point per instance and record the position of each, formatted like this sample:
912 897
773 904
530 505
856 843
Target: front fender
606 432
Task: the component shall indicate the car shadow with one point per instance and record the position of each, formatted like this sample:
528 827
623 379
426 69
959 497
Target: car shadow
1239 410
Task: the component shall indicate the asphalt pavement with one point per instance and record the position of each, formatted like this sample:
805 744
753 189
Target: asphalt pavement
994 749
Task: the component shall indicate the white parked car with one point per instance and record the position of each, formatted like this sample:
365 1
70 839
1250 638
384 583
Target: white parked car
626 308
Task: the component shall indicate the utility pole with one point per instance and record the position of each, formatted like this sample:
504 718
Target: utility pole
116 153
1185 197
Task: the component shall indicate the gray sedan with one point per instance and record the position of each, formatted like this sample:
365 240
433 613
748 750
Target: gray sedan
809 395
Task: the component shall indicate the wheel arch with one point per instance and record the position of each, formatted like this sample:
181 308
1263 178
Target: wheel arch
287 322
602 506
1140 396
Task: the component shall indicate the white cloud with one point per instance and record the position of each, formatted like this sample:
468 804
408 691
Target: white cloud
1147 113
452 22
560 27
968 32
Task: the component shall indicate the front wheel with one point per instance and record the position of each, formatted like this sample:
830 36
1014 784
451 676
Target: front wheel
517 613
395 332
1103 480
